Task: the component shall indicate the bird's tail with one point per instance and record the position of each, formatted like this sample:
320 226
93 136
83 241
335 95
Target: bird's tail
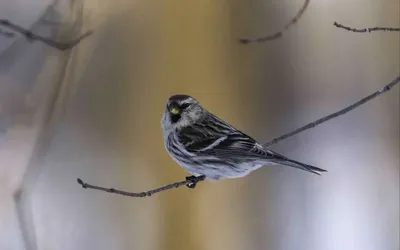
299 165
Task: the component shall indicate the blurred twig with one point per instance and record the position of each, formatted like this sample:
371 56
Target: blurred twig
192 181
278 34
6 33
30 36
365 29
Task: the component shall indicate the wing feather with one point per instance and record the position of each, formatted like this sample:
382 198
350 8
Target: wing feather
213 137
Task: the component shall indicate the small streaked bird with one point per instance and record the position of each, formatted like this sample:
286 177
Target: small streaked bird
205 145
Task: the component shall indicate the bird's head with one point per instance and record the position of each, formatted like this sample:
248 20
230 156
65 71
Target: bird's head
181 111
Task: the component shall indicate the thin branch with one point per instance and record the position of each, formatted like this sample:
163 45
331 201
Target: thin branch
191 181
278 34
6 33
336 114
365 29
30 36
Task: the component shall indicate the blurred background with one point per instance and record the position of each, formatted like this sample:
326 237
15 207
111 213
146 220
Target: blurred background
94 112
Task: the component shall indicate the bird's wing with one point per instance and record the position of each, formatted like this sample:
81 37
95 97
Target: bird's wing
233 145
214 137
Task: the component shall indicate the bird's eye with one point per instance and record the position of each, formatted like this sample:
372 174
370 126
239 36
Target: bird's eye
185 105
175 111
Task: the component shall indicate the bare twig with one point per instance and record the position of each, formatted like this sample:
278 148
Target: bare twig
191 181
33 37
278 34
336 114
6 33
365 29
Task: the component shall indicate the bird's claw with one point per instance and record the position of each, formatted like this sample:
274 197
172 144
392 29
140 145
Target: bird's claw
191 185
194 179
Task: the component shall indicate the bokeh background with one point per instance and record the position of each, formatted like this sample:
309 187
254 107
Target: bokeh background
94 112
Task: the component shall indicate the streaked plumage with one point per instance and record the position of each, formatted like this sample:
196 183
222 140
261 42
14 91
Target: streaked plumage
203 144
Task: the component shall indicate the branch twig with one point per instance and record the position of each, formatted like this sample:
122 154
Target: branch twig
336 114
278 34
6 33
365 29
30 36
191 181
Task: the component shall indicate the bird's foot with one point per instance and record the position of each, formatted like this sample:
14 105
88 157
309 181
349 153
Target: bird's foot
194 179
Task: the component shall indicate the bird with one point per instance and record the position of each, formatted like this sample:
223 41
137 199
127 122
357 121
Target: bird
210 148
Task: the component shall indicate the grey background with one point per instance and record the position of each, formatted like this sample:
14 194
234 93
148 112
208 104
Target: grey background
107 131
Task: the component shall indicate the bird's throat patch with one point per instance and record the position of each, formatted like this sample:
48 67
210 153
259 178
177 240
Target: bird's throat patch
175 118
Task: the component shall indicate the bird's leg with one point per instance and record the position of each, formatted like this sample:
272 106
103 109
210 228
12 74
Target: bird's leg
194 179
